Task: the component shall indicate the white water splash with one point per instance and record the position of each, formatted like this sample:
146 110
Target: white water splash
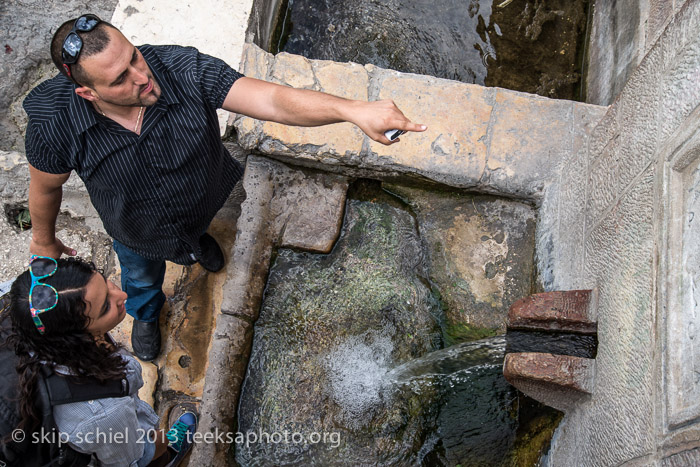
356 369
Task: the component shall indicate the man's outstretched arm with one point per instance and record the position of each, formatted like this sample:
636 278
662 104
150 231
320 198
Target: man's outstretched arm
45 195
301 107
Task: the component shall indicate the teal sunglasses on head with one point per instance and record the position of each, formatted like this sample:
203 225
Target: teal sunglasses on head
42 297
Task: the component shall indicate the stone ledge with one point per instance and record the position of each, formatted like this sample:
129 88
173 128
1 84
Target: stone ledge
306 214
488 139
571 311
560 381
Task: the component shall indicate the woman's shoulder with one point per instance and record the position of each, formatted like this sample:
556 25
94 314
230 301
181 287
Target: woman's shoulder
74 413
86 416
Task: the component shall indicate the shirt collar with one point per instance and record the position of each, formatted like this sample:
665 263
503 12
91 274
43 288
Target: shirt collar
83 112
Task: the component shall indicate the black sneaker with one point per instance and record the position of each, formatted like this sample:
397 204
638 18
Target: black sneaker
145 339
212 258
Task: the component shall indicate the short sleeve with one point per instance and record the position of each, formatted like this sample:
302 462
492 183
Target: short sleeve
215 78
41 156
110 431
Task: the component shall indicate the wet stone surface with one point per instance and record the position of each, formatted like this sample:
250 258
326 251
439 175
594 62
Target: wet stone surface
480 254
351 344
330 328
525 45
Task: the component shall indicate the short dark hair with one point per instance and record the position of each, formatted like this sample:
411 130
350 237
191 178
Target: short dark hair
94 42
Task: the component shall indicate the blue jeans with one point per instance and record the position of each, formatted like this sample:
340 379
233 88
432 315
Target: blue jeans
142 280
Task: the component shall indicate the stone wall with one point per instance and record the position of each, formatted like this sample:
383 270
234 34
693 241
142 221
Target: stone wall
621 33
26 28
263 21
623 212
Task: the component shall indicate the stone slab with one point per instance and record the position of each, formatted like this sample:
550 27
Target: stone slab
344 80
278 199
455 145
570 229
619 254
493 140
569 311
547 237
680 266
228 357
313 223
660 14
531 135
559 381
683 459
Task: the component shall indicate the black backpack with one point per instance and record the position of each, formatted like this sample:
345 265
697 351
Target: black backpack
53 389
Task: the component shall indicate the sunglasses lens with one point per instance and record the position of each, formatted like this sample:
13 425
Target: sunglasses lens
86 23
42 267
72 45
43 297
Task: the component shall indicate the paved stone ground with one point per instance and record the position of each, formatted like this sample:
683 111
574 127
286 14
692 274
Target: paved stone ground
188 319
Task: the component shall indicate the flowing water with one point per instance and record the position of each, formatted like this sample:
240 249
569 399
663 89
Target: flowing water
349 346
475 410
527 45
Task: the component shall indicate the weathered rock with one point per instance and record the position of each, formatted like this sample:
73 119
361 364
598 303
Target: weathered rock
26 27
683 459
281 205
484 138
481 256
330 327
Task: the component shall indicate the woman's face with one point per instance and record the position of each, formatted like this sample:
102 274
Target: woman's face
105 305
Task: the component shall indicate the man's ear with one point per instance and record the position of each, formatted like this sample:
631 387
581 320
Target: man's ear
86 93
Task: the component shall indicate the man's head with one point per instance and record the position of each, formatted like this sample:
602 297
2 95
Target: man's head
108 67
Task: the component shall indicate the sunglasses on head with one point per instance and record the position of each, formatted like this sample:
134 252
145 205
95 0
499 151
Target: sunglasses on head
73 44
42 297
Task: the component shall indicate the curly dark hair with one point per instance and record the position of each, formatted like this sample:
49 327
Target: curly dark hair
65 342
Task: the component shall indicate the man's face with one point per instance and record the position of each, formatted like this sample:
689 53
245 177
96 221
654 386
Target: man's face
120 75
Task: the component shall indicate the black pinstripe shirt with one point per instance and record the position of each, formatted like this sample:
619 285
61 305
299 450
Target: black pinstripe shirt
158 191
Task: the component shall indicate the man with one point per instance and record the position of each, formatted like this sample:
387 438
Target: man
139 126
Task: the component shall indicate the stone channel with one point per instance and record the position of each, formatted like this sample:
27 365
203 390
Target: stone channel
604 194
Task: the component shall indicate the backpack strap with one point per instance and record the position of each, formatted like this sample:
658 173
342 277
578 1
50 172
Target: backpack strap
58 454
63 391
53 390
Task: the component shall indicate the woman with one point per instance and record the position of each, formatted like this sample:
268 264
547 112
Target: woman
62 312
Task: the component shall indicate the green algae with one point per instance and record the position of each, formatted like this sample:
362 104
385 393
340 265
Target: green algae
461 332
328 323
534 435
368 296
